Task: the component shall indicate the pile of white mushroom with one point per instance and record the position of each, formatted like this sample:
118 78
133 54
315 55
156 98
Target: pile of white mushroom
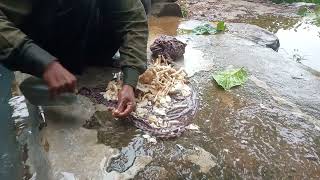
156 89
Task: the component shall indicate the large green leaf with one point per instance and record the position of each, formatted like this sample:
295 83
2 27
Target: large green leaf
230 78
221 26
206 29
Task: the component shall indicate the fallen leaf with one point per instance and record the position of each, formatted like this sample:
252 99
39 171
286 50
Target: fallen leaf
221 26
206 29
231 78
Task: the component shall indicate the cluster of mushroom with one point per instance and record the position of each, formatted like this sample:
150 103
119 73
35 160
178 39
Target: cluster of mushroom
157 89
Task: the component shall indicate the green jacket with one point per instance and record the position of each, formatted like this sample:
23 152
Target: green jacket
19 52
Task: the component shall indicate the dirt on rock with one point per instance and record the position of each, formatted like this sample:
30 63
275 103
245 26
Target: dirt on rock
215 10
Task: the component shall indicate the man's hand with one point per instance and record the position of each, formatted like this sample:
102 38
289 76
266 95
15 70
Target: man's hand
58 79
126 102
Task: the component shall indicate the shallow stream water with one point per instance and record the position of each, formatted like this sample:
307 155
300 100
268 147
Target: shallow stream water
299 37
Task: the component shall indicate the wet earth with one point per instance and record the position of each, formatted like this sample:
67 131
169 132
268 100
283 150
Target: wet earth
268 128
217 10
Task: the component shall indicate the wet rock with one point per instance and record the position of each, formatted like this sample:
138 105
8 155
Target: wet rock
154 173
256 34
75 153
98 119
92 123
166 9
127 157
311 157
169 47
202 158
249 32
67 176
140 163
116 134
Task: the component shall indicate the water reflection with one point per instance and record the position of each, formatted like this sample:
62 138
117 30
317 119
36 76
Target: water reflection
299 38
193 60
301 43
164 25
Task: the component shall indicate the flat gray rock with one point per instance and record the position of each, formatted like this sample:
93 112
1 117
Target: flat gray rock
255 33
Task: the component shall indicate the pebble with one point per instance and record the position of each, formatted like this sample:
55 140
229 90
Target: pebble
192 127
244 142
311 157
150 139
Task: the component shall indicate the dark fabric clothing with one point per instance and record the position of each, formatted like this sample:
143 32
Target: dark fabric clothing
77 32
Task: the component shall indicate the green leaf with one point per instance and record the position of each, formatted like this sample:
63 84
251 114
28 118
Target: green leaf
231 78
221 26
206 29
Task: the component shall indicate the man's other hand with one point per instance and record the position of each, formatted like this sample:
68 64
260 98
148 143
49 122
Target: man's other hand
126 102
58 79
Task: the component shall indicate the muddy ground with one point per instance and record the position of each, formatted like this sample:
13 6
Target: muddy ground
235 10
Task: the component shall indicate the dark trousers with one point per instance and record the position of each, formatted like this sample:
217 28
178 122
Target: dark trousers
77 32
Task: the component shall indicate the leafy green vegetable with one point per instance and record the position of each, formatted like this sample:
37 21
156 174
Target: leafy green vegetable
230 78
206 29
221 26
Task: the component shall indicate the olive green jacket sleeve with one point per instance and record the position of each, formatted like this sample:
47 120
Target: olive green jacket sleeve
18 52
132 26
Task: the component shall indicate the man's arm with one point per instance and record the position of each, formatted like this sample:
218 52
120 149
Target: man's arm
19 53
132 27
